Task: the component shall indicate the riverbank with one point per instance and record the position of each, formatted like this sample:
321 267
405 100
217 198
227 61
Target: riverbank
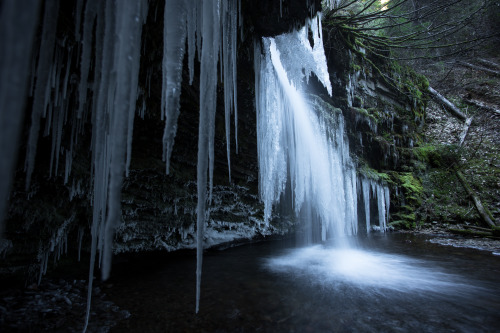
441 234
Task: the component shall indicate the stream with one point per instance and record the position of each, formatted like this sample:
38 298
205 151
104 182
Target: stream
385 283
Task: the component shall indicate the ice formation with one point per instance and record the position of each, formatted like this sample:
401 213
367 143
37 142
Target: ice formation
371 190
302 147
332 4
212 27
17 29
112 118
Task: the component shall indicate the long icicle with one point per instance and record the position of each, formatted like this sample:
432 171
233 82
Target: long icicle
104 55
173 54
127 57
208 101
42 85
18 22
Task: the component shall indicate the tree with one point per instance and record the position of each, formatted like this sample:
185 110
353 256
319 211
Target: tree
414 29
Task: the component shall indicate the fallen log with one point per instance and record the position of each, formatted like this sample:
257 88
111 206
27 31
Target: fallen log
496 231
465 130
488 63
478 228
482 105
479 68
483 212
447 104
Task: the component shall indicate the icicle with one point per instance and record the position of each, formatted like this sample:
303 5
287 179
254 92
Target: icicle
366 199
135 55
226 64
127 60
66 76
93 250
387 196
208 101
68 165
235 81
192 9
351 202
81 232
54 140
78 18
88 26
18 21
173 54
60 123
199 26
104 60
229 27
381 207
42 85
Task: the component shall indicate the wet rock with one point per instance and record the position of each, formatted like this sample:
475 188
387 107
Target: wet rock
55 307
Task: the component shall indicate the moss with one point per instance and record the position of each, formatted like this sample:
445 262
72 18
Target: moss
358 101
370 173
388 136
411 84
438 156
412 187
428 154
401 224
370 113
355 67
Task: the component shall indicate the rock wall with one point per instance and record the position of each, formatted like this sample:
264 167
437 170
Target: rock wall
384 104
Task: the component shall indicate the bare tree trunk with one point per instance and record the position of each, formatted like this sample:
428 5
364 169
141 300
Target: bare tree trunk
447 104
477 228
488 63
471 232
479 68
465 130
483 212
482 105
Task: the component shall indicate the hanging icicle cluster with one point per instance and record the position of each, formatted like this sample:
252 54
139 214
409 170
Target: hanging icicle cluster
117 46
17 29
373 189
107 52
211 26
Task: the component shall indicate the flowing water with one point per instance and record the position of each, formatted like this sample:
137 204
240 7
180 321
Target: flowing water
388 283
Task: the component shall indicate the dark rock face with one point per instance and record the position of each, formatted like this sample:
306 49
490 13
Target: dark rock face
381 118
383 115
274 17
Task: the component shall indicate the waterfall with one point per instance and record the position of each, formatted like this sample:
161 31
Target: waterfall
302 145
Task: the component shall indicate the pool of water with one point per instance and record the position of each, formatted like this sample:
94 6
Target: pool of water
385 283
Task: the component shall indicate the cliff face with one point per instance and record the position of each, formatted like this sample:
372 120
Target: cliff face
384 105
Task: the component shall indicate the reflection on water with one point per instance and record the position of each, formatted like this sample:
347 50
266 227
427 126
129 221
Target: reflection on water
329 266
396 283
